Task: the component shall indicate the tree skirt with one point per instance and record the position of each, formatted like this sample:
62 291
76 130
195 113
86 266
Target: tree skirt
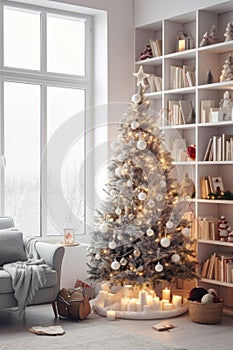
150 315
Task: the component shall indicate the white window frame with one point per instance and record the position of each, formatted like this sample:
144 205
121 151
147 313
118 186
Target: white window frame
44 79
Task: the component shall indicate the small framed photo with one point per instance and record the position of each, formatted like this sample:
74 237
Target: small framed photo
217 184
68 236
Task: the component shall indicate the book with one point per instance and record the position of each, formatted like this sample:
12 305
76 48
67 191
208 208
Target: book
164 326
207 152
210 272
186 109
205 268
50 330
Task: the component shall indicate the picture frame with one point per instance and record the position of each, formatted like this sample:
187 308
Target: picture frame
68 236
217 184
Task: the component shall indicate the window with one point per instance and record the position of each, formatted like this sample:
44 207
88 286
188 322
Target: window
45 82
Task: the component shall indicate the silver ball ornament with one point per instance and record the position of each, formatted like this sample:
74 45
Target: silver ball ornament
118 171
134 125
103 227
175 258
129 183
115 265
136 98
165 242
141 196
112 245
162 183
97 256
169 224
131 216
141 145
151 203
118 211
123 261
159 267
121 157
186 231
159 197
136 253
149 232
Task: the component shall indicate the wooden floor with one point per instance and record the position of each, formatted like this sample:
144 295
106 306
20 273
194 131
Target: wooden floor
186 334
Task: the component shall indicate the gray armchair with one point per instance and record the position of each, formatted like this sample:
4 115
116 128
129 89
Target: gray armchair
52 254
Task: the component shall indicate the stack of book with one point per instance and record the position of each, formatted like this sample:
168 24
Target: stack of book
208 228
219 148
155 83
219 267
156 47
181 77
180 112
206 186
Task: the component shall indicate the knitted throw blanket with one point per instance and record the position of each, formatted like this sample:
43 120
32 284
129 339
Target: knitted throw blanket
28 276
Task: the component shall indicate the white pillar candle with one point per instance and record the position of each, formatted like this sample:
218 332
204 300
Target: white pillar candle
176 300
146 308
162 302
111 315
138 306
124 303
155 303
167 306
101 298
149 299
128 290
131 305
166 294
109 299
143 297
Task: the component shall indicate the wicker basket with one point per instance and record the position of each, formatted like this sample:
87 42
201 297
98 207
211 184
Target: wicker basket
205 313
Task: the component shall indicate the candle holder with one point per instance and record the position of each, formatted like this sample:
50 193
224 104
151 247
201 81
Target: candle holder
140 304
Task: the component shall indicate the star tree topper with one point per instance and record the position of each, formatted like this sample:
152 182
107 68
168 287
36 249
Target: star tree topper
140 75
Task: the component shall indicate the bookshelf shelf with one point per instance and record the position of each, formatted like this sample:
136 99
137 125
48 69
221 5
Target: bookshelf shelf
196 129
225 284
218 243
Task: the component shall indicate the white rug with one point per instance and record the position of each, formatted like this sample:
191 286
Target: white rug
103 337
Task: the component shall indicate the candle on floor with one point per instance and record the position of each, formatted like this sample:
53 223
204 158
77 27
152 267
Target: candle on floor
162 302
128 290
143 297
101 298
167 306
149 299
138 306
166 294
176 300
124 303
155 303
111 315
146 308
131 305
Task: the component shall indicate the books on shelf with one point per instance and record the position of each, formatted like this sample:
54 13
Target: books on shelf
181 77
208 228
219 148
156 47
180 112
219 267
155 83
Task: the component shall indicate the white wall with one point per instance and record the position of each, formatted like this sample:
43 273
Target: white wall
149 11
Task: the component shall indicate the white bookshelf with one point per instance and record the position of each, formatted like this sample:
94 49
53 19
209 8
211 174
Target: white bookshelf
210 57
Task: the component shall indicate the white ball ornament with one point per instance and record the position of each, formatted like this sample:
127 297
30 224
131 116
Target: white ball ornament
169 224
151 203
121 157
141 196
165 242
175 258
134 125
141 145
123 261
136 253
120 237
118 211
114 144
136 98
118 171
113 193
131 216
103 227
115 265
112 245
97 256
129 183
162 183
159 197
149 232
186 231
159 267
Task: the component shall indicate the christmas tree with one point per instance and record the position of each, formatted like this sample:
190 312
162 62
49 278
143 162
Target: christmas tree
229 32
140 236
227 71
